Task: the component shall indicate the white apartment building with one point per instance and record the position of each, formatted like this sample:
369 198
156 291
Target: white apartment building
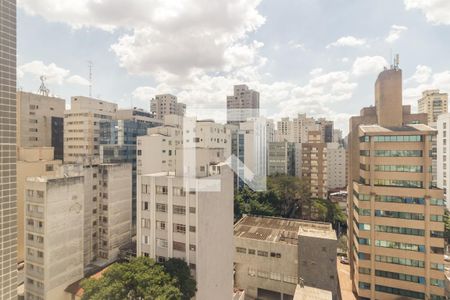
242 105
82 129
53 235
296 130
433 103
336 166
189 216
136 114
166 104
443 154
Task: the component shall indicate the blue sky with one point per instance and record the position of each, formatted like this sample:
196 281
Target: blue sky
304 56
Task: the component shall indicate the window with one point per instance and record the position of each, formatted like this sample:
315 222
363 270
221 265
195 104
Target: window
396 199
400 276
161 207
437 218
364 285
162 190
400 261
241 250
192 210
48 168
192 247
263 253
192 228
364 271
145 205
179 246
251 251
399 183
180 228
398 138
161 225
400 292
401 246
162 243
399 153
179 210
400 230
399 215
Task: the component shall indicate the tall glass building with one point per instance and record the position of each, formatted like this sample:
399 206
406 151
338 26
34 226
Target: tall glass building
118 145
8 193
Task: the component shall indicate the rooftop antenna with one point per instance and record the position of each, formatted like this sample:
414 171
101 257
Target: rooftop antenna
43 90
396 61
90 66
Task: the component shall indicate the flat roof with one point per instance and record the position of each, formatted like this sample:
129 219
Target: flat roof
281 230
311 293
375 128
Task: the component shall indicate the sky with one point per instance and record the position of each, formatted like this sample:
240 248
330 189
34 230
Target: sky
317 57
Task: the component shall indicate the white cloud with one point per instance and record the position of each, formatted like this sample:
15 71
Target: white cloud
436 11
52 72
168 39
422 74
295 45
368 65
395 32
345 59
316 71
348 41
77 79
440 81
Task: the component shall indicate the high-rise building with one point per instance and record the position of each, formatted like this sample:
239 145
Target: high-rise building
82 129
433 103
281 158
40 122
395 222
336 166
31 162
443 155
8 194
244 104
314 164
190 216
53 235
297 129
163 105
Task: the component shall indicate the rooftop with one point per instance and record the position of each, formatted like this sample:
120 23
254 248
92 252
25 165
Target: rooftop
280 230
311 293
407 128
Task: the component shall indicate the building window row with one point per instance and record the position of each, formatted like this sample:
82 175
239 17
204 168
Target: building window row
400 276
398 153
399 168
399 292
398 138
257 252
397 199
400 230
273 276
399 183
400 261
399 215
399 245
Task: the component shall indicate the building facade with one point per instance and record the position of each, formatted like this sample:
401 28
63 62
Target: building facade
53 235
433 103
443 164
40 122
166 104
281 158
336 166
314 164
8 194
244 104
272 255
395 213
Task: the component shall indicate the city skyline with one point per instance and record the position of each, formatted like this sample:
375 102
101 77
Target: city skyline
328 73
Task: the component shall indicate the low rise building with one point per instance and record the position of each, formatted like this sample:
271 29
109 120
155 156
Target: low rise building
273 255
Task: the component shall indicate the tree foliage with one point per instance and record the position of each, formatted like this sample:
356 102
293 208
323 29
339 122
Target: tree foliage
139 279
179 270
286 196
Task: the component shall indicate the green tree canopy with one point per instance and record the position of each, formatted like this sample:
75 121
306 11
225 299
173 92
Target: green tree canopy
179 270
139 279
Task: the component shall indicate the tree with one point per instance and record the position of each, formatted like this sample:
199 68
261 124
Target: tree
139 279
179 270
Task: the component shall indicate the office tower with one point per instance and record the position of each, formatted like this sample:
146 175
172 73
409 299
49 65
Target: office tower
53 235
190 216
433 103
163 105
31 162
336 166
395 222
281 158
443 154
118 142
82 129
326 128
8 209
40 122
314 164
273 255
242 105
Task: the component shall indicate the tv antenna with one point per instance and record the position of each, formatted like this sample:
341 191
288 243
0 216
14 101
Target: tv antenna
396 61
43 90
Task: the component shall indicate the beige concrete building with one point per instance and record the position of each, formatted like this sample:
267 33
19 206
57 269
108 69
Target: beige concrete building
273 255
242 105
433 103
336 166
82 129
297 129
190 217
314 164
166 104
443 155
31 162
8 209
54 235
40 121
138 115
311 293
281 158
395 214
